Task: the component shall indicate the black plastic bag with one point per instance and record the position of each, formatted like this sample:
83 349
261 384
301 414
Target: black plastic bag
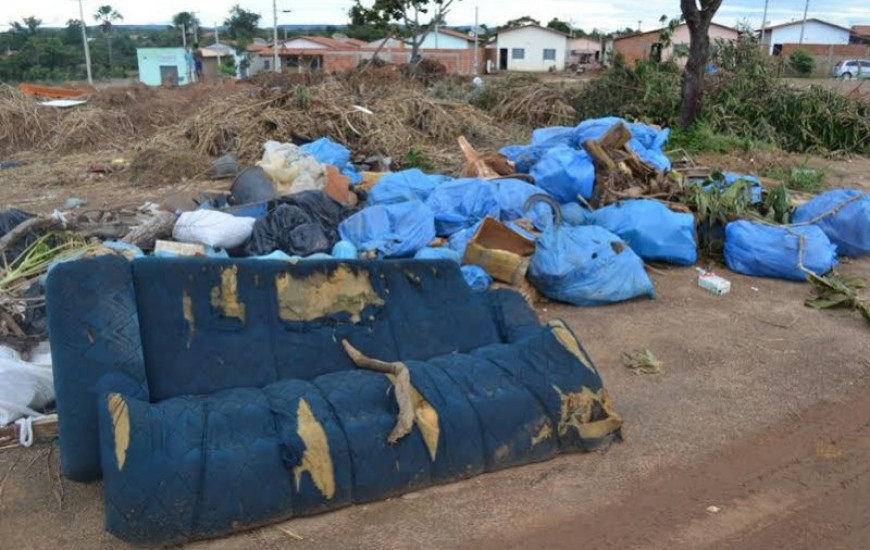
300 224
9 219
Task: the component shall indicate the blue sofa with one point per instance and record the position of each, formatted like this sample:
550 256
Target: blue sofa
216 395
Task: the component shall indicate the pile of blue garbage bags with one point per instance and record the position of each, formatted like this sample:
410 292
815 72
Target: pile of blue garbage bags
581 256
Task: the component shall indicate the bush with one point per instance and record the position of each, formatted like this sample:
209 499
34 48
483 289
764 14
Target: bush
744 99
801 62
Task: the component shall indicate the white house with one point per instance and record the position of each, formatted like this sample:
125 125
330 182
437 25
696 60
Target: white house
447 39
531 48
815 31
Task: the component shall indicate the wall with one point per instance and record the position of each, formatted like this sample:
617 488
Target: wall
815 33
151 59
638 47
826 55
445 42
534 40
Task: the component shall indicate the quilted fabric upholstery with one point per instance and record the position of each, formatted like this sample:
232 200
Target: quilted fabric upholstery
95 348
233 459
214 395
113 327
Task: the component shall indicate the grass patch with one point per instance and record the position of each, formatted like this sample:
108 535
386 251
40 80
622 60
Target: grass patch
701 138
800 177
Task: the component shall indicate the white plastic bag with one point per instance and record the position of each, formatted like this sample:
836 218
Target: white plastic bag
213 228
291 169
24 387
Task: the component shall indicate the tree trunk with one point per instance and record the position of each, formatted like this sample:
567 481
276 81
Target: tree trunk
109 44
693 74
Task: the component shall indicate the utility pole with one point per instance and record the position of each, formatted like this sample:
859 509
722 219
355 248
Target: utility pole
275 36
85 43
764 24
638 25
475 68
183 36
804 22
216 41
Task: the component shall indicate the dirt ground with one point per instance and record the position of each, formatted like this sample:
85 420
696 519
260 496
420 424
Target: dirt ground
762 410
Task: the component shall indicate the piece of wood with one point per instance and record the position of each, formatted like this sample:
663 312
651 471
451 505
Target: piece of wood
401 383
146 235
599 155
616 137
33 224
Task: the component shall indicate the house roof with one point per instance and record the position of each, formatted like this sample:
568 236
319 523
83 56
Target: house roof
355 42
330 43
861 30
660 29
506 30
457 34
790 23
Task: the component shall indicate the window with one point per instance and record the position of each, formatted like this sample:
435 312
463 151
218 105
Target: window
549 54
518 53
265 64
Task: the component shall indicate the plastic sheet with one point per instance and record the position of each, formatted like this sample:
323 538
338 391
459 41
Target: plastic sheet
564 173
775 251
476 277
461 203
587 266
291 169
302 224
326 151
652 230
393 230
26 387
844 216
406 185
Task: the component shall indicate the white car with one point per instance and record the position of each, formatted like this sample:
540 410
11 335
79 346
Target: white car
852 68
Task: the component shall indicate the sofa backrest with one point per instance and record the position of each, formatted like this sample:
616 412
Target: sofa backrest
159 327
209 325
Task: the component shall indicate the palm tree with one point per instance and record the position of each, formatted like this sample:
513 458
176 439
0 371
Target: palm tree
185 21
105 16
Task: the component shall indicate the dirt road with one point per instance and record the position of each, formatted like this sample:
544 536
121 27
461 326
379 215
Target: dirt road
802 484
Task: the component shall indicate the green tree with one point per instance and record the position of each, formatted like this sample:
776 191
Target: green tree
561 26
521 22
242 26
801 62
698 15
106 16
388 15
186 22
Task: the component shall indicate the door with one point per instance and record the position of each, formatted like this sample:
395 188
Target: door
169 75
502 59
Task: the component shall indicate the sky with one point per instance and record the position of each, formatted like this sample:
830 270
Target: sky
587 14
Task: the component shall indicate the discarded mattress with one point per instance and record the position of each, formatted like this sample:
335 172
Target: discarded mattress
844 216
225 400
778 251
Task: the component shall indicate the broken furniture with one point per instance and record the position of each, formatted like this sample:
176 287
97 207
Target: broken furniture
225 397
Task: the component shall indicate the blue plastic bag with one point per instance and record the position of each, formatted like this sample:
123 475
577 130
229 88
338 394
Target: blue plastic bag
646 141
774 251
553 135
438 253
564 173
524 157
406 185
587 266
476 277
848 227
652 230
462 203
326 151
755 187
394 230
344 250
512 196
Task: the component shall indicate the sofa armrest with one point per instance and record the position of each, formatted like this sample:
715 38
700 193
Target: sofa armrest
95 348
513 315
